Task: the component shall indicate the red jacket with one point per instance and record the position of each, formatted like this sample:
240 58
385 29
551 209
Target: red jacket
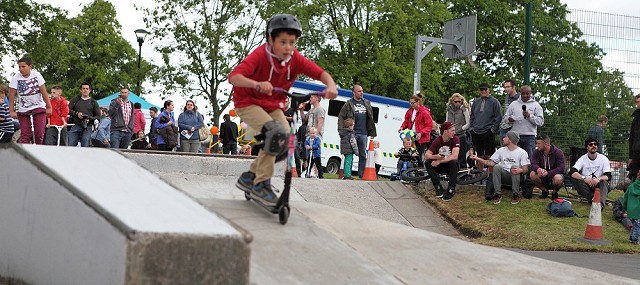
256 66
59 110
138 121
423 123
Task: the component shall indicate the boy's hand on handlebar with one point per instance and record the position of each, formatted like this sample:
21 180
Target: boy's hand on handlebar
331 92
264 87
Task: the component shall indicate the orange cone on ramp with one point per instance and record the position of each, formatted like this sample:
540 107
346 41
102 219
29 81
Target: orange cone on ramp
294 172
341 170
370 169
593 233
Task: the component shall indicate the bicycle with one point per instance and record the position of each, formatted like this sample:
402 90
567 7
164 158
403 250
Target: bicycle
465 176
406 161
282 205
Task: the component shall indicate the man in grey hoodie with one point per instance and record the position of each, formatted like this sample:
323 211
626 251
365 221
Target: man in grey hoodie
526 115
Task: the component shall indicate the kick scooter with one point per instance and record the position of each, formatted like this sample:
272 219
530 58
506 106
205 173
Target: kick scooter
282 205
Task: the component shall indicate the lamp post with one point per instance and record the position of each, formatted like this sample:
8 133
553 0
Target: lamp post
140 34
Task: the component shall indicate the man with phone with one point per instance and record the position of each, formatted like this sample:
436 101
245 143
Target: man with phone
526 115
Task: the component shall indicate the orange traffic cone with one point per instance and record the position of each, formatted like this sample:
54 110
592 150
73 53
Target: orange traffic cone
593 233
370 169
341 170
294 172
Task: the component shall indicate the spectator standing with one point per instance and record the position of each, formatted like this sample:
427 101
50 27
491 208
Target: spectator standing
509 163
631 205
139 123
315 117
359 109
229 135
59 113
377 153
485 121
418 118
526 115
122 120
348 147
547 167
458 113
167 131
511 94
82 109
190 122
313 146
597 132
33 102
591 171
275 63
102 135
153 132
634 141
6 122
442 157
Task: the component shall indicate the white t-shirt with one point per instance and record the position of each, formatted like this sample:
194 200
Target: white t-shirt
508 158
28 91
593 168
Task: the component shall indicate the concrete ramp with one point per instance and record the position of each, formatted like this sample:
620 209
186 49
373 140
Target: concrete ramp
91 216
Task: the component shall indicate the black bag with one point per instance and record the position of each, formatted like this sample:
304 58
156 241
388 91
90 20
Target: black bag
526 186
560 208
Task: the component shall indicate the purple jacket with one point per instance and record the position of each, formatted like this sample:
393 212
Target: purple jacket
554 163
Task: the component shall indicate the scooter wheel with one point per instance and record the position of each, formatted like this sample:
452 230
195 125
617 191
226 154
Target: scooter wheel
283 214
247 196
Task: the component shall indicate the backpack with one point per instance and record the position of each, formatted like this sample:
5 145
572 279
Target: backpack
561 208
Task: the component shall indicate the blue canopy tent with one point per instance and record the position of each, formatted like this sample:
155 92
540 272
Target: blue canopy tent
104 102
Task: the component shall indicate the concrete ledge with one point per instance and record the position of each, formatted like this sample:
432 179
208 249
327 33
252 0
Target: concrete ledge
91 216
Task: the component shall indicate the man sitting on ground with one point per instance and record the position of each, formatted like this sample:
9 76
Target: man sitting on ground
509 163
442 157
547 167
591 171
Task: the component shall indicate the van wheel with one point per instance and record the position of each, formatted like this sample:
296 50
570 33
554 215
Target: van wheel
333 165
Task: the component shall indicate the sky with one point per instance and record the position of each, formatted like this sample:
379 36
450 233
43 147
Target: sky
131 19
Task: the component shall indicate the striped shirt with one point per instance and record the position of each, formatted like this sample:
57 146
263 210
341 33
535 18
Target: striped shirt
6 125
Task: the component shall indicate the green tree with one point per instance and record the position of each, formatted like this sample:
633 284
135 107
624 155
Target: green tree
201 41
86 48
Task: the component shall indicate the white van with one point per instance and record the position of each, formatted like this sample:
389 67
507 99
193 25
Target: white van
388 113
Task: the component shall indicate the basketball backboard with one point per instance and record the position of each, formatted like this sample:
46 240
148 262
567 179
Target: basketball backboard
463 31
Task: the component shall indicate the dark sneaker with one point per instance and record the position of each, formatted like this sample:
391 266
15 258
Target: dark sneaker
264 192
488 198
554 195
439 192
347 178
497 198
545 194
245 182
515 200
448 195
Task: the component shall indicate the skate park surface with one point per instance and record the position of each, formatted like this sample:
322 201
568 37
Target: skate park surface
359 232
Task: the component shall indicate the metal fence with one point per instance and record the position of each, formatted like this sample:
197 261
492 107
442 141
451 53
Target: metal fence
619 38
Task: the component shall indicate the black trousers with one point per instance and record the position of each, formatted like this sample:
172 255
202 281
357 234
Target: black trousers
450 167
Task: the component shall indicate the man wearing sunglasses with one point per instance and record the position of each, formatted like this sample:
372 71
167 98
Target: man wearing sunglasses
591 171
486 114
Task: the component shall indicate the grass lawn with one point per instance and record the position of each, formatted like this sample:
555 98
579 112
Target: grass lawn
527 225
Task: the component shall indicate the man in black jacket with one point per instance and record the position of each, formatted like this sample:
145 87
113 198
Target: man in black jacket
229 136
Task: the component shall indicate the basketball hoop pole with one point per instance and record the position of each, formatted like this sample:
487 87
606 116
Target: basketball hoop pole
421 53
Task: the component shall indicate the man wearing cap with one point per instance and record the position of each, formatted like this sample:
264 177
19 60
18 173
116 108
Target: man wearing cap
597 131
442 157
509 163
591 171
486 115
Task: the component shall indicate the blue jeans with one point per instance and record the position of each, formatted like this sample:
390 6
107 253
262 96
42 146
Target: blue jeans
635 230
78 134
120 139
528 143
362 153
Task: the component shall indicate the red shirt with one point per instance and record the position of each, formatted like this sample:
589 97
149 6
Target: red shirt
59 110
439 146
256 66
138 121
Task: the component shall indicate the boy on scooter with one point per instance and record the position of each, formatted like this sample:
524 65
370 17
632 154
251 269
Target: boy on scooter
275 63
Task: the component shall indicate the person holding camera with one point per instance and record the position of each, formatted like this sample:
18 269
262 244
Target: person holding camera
83 110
